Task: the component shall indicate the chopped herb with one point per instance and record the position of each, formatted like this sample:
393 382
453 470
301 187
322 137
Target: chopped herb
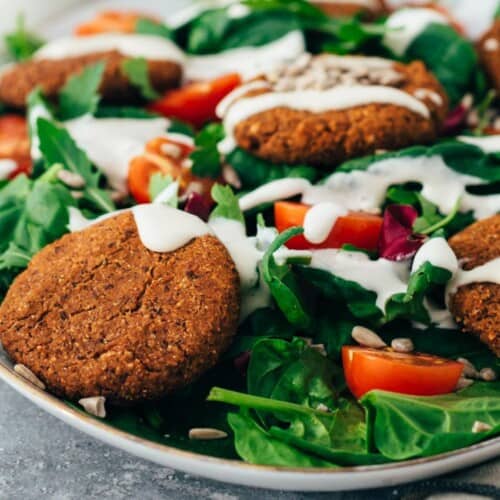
22 44
137 72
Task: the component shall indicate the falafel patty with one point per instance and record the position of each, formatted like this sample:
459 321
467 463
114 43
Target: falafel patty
489 53
326 138
476 306
98 314
17 82
367 9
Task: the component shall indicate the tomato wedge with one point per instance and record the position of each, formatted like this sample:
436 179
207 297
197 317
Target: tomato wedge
196 102
357 228
14 143
111 21
168 157
417 374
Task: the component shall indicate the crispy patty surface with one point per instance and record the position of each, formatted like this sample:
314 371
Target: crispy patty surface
348 9
284 135
489 53
476 306
51 74
96 313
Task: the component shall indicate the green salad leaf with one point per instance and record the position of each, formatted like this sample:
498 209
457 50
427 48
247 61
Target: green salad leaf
253 172
158 183
124 112
227 204
206 158
57 146
21 44
402 427
79 95
449 56
145 26
137 71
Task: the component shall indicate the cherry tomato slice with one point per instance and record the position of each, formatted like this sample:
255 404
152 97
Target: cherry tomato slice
417 374
111 21
14 143
359 229
196 102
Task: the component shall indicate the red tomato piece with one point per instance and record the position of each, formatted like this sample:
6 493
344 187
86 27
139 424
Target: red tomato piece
357 228
14 143
417 374
196 102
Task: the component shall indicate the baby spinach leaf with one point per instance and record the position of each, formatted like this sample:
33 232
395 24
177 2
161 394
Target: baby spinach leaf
402 427
206 158
146 26
137 71
256 446
21 44
80 96
449 56
282 282
253 172
57 146
227 204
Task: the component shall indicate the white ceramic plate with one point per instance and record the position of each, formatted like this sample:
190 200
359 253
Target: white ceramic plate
231 471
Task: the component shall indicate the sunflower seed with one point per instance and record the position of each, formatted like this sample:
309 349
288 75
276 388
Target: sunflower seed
171 150
402 345
469 369
463 383
490 44
367 338
27 374
206 433
95 405
479 426
71 179
488 374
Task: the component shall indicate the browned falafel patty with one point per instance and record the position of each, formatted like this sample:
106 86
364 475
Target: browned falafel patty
325 139
96 313
334 8
476 306
489 53
51 74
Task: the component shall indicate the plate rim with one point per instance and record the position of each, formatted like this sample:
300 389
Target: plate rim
273 477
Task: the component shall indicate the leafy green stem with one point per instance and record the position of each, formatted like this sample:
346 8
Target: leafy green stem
444 222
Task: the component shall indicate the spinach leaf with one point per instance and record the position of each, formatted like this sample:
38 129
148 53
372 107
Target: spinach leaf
206 158
253 172
282 282
79 96
137 72
57 146
21 44
123 112
146 26
402 427
449 56
256 446
227 204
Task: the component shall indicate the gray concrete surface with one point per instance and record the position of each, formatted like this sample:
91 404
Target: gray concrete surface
42 458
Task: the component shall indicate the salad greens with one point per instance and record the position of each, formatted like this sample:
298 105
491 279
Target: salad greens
206 157
137 72
21 44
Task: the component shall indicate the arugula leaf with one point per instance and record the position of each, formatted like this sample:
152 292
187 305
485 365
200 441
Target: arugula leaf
227 204
449 56
282 282
253 172
137 72
22 44
146 26
402 427
57 146
79 96
157 184
206 158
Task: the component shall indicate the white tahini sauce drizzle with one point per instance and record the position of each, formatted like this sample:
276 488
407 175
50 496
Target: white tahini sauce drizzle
247 61
405 25
487 273
111 143
489 144
247 257
280 189
337 98
7 166
319 221
164 229
365 190
381 276
230 99
428 94
438 253
133 45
